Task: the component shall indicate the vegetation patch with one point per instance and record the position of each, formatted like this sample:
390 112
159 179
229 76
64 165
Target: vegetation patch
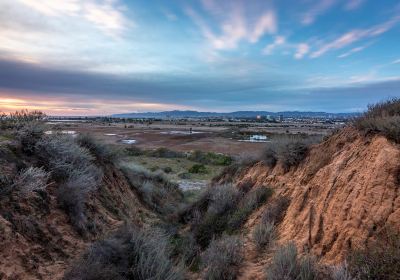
382 118
286 264
131 253
380 259
222 258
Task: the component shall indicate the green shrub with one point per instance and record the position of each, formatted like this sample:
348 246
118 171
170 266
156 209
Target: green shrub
198 169
222 258
134 151
167 169
165 153
210 158
287 265
129 254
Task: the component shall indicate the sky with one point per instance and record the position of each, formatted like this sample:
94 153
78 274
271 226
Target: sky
99 57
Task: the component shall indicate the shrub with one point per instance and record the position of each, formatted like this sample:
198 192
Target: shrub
64 157
185 247
269 157
72 196
286 265
100 150
164 153
380 259
210 158
154 188
382 118
134 151
167 169
72 166
292 154
29 135
251 201
222 258
263 234
19 119
212 212
276 211
198 169
222 198
341 272
31 179
129 254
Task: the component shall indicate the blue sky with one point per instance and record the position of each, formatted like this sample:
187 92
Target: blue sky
90 57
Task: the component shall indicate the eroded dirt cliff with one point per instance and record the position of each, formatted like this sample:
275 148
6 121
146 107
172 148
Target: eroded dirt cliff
342 194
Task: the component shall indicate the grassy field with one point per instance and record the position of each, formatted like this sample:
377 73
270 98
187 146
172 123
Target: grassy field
177 169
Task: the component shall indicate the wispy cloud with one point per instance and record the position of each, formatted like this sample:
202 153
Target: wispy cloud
107 15
397 61
234 27
267 23
269 49
318 8
353 4
355 36
302 50
352 51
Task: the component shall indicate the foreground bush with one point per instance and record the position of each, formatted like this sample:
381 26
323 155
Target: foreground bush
275 212
263 235
72 167
264 232
382 118
29 135
289 151
130 254
154 188
380 259
287 265
251 201
102 151
222 258
31 179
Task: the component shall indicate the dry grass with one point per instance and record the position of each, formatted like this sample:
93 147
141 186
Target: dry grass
382 118
131 253
222 258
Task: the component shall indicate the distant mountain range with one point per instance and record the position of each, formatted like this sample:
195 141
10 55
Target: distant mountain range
176 114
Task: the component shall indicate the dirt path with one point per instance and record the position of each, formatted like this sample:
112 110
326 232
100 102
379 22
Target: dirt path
254 262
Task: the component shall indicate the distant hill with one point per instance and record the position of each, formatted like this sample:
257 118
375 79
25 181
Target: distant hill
176 114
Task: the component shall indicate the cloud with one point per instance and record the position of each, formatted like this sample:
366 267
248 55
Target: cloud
233 24
107 15
319 7
353 4
279 41
355 36
267 23
352 51
302 50
397 61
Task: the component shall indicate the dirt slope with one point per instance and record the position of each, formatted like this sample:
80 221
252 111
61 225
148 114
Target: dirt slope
37 240
345 191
